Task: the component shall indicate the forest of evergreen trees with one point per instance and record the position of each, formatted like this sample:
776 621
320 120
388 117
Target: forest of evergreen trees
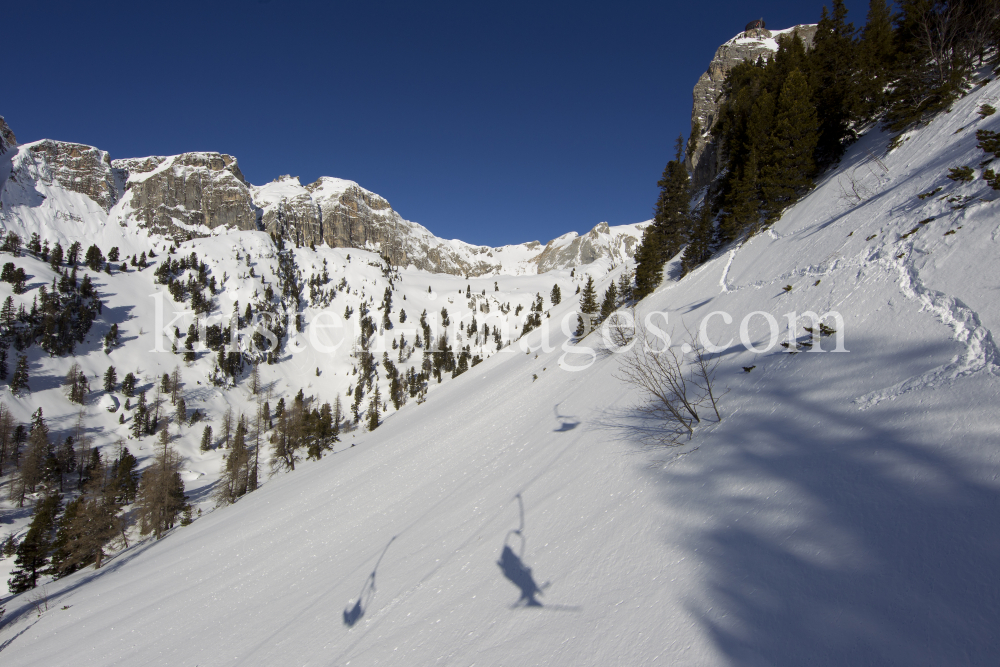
786 119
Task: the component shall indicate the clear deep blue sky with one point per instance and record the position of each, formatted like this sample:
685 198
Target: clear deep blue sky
491 122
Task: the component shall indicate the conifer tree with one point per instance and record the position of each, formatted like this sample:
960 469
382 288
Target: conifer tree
556 295
19 380
206 439
110 379
93 524
667 234
181 410
161 491
8 315
56 256
234 482
128 385
610 301
373 410
8 444
76 384
588 299
699 250
227 426
796 131
625 286
876 54
34 469
338 416
832 63
743 204
32 553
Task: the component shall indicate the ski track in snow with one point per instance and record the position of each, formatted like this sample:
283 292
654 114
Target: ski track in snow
979 354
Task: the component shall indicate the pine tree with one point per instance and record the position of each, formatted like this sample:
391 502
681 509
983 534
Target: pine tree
556 295
110 379
32 553
588 299
181 411
34 468
76 384
227 426
610 301
373 410
667 234
699 250
743 204
8 444
56 256
206 439
876 55
19 380
625 287
94 524
139 417
796 131
832 63
161 491
7 314
338 416
236 475
128 385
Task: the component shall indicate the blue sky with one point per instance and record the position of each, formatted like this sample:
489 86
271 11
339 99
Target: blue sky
494 123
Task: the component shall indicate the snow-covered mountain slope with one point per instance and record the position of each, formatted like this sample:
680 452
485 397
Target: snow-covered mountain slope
844 511
42 198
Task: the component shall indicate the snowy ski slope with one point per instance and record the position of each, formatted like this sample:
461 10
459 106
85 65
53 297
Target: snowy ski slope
845 511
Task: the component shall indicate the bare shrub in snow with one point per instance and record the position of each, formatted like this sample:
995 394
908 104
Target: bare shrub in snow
679 391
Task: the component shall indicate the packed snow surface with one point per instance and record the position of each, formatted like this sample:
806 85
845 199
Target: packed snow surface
846 511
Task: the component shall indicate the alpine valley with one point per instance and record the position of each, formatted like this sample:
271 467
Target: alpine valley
328 436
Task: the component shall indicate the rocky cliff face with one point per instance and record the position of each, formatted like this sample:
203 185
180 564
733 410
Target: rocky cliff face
571 250
75 167
342 214
703 159
187 194
7 138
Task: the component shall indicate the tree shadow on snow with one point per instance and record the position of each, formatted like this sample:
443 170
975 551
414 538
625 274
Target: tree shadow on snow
875 542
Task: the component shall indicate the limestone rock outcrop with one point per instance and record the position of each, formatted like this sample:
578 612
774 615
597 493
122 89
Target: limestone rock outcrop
74 167
704 157
7 138
342 214
187 194
572 250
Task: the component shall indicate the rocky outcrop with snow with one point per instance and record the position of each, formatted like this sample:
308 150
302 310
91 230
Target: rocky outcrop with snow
74 167
342 214
703 159
7 138
617 244
190 193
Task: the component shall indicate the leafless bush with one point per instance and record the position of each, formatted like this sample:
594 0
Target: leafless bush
853 190
680 391
619 329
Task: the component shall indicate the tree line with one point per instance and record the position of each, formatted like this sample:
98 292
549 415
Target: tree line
785 119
